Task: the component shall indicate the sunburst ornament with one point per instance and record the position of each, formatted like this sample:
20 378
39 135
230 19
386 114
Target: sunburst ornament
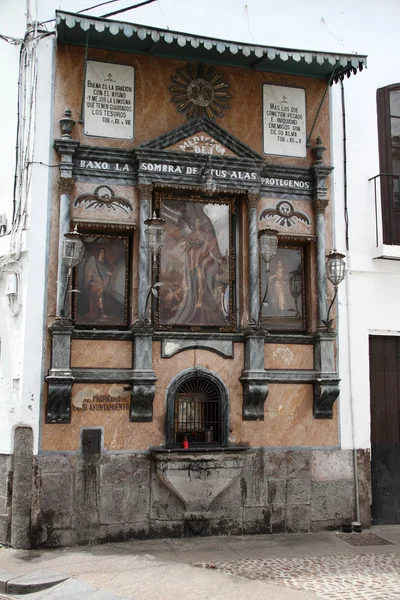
199 91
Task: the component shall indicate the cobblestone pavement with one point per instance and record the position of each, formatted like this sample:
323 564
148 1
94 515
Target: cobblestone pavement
351 577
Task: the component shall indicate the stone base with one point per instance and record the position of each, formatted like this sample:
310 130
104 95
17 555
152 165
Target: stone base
5 498
116 497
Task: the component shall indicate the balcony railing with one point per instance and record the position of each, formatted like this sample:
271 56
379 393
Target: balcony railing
394 189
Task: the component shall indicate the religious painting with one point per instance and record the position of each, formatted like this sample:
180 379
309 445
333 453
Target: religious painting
195 264
101 282
283 290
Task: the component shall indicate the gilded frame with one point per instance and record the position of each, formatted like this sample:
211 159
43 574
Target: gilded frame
101 282
190 232
284 308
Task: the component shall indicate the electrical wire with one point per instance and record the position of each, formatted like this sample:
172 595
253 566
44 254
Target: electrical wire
97 5
116 12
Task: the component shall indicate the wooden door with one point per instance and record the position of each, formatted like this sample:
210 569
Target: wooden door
384 356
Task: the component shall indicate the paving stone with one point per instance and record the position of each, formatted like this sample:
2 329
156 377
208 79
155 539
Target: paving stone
344 577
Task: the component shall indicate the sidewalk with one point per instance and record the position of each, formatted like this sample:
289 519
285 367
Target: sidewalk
261 567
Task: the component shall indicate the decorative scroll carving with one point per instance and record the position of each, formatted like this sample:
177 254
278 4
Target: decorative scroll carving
58 408
325 394
255 392
143 392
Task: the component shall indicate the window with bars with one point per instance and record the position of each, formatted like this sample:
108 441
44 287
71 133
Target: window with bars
197 413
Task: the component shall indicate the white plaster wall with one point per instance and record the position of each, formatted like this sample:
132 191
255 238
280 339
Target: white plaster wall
22 336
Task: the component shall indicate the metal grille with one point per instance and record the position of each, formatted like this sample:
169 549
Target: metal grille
197 413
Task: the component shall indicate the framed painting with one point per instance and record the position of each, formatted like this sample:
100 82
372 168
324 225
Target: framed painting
195 264
283 290
101 282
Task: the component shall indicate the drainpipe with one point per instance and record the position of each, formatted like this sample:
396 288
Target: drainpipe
348 303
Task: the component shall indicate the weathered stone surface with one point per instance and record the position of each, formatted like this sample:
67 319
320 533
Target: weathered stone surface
298 491
124 504
125 469
332 500
254 484
5 467
278 519
229 503
299 463
34 582
22 487
364 486
256 520
53 463
328 465
165 505
57 499
226 525
277 491
298 519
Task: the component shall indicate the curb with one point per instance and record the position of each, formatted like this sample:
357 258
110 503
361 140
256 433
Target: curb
12 582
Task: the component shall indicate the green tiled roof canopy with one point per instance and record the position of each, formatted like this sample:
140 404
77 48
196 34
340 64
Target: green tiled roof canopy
128 37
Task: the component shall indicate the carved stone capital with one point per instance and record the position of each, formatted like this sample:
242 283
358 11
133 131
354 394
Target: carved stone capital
66 185
145 191
253 199
325 394
320 206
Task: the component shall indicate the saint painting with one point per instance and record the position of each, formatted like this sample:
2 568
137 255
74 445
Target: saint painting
283 305
101 282
194 264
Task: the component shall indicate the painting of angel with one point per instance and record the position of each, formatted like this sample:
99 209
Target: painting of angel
101 282
282 290
194 264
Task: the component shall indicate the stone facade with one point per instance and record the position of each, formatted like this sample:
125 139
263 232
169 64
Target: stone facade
112 497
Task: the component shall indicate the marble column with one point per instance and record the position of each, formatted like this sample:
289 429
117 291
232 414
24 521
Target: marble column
320 230
145 194
60 379
253 378
326 389
66 186
254 260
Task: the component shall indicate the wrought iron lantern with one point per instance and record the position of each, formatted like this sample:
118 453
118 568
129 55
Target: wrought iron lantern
335 267
154 234
335 270
267 245
73 250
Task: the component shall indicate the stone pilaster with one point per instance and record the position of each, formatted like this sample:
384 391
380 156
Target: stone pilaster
326 388
60 379
254 377
254 260
66 148
144 380
145 195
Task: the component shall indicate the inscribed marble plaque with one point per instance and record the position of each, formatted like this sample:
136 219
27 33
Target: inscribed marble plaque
109 100
284 110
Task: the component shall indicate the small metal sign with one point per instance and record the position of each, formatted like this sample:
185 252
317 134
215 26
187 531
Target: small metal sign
109 100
